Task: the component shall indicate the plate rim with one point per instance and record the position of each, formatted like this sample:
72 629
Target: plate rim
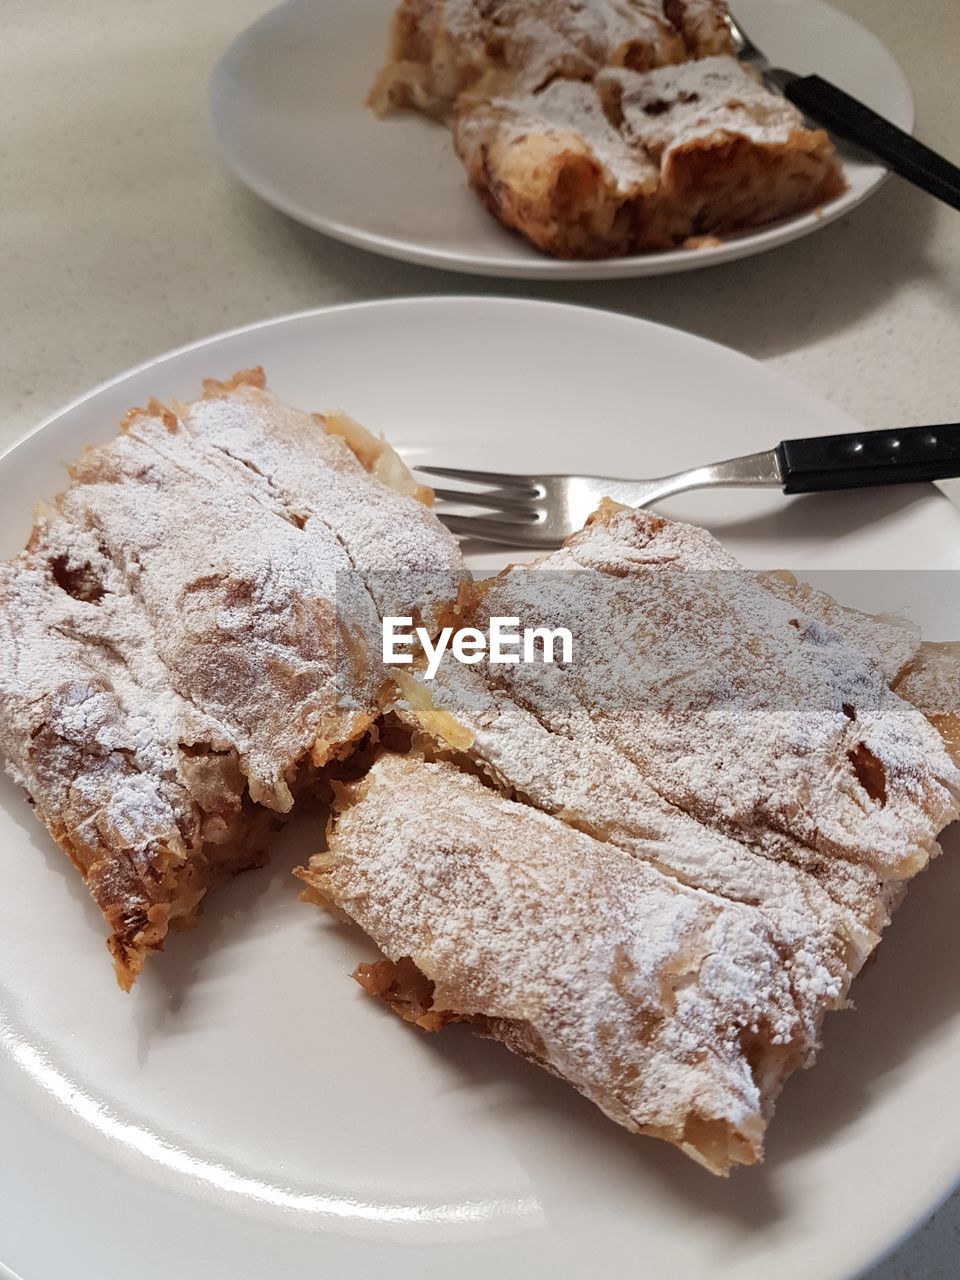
541 266
428 300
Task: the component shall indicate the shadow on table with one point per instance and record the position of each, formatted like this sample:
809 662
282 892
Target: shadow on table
774 302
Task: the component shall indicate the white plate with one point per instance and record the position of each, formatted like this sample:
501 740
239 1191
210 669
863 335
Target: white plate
287 101
247 1112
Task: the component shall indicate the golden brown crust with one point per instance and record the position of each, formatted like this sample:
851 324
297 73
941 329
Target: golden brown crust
729 184
426 69
558 197
254 377
702 25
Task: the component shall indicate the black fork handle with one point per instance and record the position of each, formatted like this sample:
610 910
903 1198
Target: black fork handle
868 458
848 118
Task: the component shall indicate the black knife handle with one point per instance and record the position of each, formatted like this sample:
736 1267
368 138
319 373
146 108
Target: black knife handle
851 120
868 458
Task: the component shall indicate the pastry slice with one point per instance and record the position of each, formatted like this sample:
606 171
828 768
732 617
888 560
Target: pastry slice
732 154
186 639
640 162
669 1008
716 732
440 49
144 793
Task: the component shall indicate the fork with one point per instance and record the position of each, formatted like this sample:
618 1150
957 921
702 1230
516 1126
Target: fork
847 118
542 510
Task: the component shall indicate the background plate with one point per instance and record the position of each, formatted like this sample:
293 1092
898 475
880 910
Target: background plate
287 101
247 1112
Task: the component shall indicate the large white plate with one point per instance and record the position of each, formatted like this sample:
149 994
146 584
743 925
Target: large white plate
247 1112
287 101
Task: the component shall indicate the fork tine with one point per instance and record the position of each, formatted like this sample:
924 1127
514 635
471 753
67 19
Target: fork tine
491 499
507 532
520 515
498 478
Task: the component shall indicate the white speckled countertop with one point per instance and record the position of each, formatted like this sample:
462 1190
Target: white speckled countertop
122 236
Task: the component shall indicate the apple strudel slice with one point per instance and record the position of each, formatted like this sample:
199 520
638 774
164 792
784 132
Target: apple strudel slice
734 733
669 1008
176 656
553 167
667 156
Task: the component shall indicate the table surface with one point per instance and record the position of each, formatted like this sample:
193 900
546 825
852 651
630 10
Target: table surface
122 236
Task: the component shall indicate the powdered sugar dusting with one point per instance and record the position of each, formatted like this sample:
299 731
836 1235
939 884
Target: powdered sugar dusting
738 707
570 113
238 599
671 106
172 645
933 679
395 542
537 40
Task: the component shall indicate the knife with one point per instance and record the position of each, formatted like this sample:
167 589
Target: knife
846 117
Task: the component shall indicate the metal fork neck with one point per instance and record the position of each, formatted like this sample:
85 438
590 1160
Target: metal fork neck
754 470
